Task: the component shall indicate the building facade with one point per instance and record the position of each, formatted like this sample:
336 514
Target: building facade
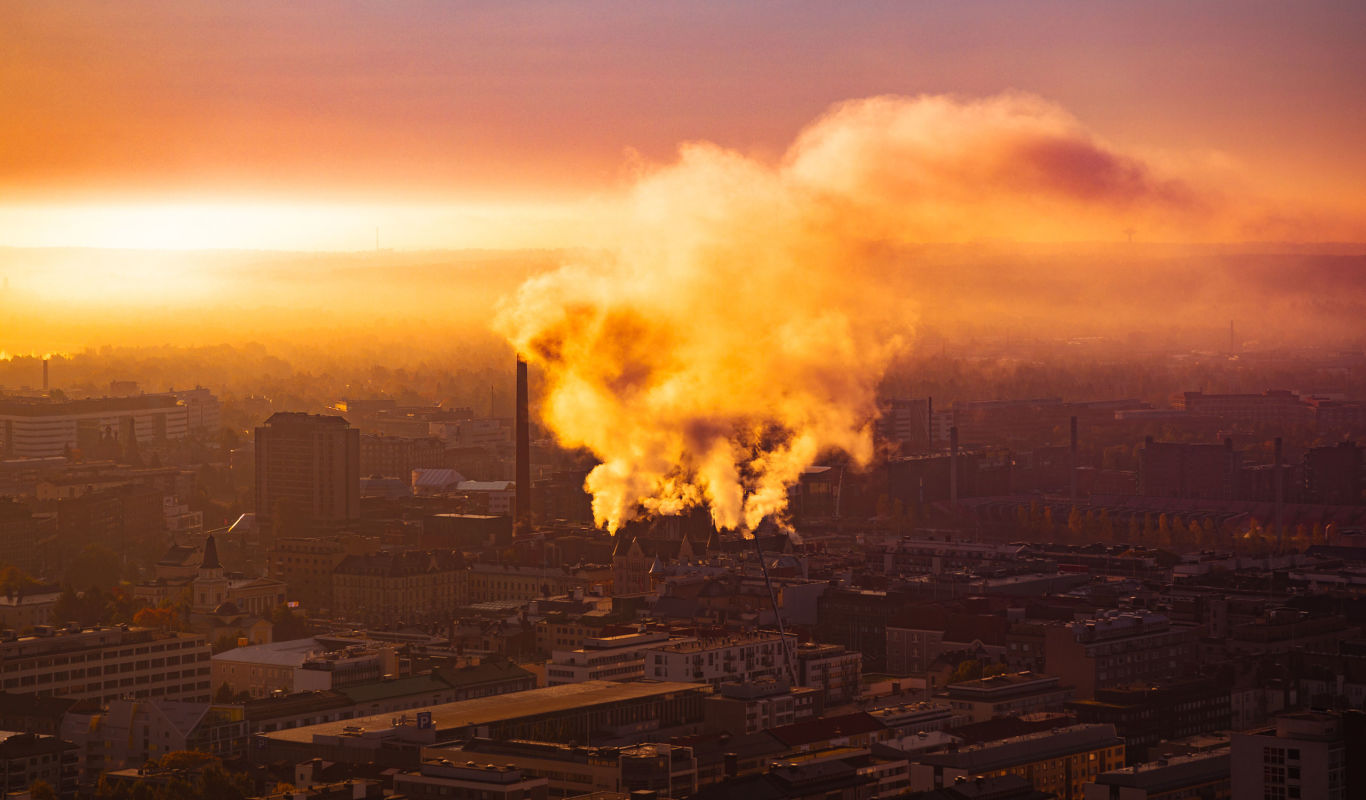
307 472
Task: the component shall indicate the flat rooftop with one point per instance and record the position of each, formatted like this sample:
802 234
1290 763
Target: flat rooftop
503 707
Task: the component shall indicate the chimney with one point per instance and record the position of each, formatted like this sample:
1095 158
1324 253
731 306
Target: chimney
45 374
1280 497
732 762
929 420
1072 465
523 519
953 465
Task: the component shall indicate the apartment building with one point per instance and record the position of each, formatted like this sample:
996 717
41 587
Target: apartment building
107 664
1118 650
604 658
742 658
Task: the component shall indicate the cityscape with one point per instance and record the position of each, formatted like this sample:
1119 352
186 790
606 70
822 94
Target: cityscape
616 401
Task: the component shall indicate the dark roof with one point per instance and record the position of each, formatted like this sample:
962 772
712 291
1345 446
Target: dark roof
818 730
398 565
297 703
210 555
490 671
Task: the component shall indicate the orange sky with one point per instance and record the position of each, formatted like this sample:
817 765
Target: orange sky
305 125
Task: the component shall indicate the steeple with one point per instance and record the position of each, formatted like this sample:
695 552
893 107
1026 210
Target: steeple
210 555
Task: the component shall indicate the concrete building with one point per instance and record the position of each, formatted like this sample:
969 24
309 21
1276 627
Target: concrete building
1118 650
745 708
308 471
1273 407
1168 469
489 583
1306 754
387 588
443 779
604 658
305 566
831 669
1148 713
24 610
301 665
1012 694
739 658
106 664
128 733
1201 775
26 758
1060 761
617 712
42 428
574 770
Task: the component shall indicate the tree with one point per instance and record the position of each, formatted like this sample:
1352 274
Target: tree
164 617
967 670
94 566
42 790
286 625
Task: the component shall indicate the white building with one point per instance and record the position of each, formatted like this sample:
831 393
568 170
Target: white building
1304 756
301 665
744 658
32 428
604 658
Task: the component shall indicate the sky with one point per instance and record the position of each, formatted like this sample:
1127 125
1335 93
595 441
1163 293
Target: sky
309 125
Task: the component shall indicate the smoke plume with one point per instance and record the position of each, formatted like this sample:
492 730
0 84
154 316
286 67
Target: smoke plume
739 324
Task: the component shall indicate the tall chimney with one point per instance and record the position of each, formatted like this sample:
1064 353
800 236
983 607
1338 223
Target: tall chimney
1280 498
45 374
953 465
929 421
1072 465
523 519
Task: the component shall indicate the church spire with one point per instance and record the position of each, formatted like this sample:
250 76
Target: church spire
210 555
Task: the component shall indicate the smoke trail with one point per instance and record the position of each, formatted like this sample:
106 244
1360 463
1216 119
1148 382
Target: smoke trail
739 326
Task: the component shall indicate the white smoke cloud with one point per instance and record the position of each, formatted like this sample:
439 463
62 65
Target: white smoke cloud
744 315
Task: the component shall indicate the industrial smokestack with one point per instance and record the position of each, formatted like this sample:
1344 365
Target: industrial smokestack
45 374
953 465
1280 498
523 518
929 421
1072 465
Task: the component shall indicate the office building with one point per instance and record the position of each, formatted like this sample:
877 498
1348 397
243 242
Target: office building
42 428
307 474
105 664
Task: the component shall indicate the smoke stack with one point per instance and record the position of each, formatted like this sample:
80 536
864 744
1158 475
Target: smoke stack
1280 497
45 374
953 465
523 519
929 420
1072 465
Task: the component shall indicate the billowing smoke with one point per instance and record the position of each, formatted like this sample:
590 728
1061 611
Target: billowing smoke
739 324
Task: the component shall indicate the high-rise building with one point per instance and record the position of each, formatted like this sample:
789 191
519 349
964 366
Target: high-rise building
307 473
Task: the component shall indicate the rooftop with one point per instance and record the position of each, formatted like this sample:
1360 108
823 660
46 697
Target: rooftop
450 717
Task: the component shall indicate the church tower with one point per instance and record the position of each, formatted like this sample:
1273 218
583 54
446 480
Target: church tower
210 587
